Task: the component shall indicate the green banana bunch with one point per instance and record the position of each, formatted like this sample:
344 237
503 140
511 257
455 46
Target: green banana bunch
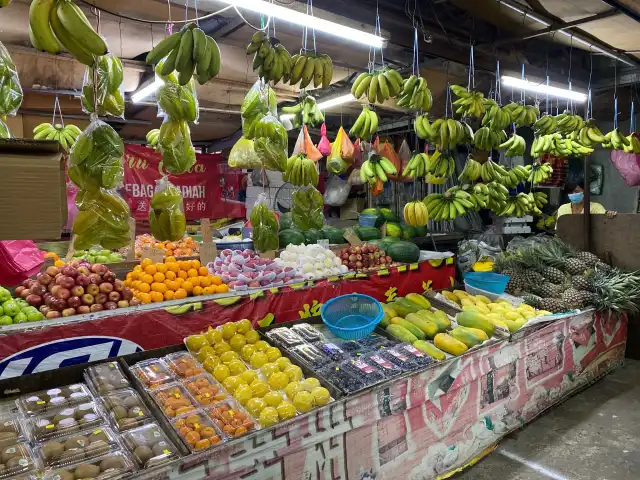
187 52
545 125
589 135
10 89
270 143
514 147
616 140
497 195
415 94
522 115
174 141
301 170
446 133
378 86
546 222
366 124
103 218
495 117
492 172
308 67
558 146
153 137
448 206
272 62
567 122
540 199
540 172
438 168
471 171
377 168
417 166
634 143
517 206
305 113
487 139
469 103
57 24
478 195
513 176
166 216
66 136
102 87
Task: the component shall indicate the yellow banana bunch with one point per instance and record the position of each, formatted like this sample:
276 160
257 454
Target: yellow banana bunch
540 199
377 168
446 133
366 124
492 172
514 147
634 144
308 67
378 86
522 115
188 52
471 171
416 214
305 113
469 103
487 139
65 136
517 206
513 176
545 125
616 140
415 94
152 138
301 170
478 195
540 172
567 122
495 117
271 62
439 168
449 205
558 146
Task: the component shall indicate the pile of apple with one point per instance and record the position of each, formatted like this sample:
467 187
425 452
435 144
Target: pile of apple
365 258
76 288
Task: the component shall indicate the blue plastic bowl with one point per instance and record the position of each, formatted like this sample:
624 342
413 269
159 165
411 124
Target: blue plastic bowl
353 316
368 220
491 282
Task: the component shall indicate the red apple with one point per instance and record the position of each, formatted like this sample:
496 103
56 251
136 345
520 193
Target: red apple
44 278
95 278
19 290
96 307
92 289
123 304
25 293
114 296
88 299
69 271
66 282
74 263
48 299
38 289
118 285
134 302
101 298
58 304
109 276
52 314
67 312
82 280
74 302
34 300
110 305
83 270
77 291
98 268
63 293
106 287
127 294
52 271
27 283
44 309
83 309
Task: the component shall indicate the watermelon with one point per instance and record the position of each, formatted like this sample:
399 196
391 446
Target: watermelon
367 233
405 252
378 243
421 231
408 232
388 241
394 230
286 222
389 216
312 236
290 237
334 235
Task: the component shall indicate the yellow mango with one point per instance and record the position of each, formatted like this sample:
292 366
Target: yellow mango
483 299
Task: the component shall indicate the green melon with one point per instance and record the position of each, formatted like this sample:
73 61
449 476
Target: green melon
334 235
312 236
286 221
290 237
405 252
408 232
394 230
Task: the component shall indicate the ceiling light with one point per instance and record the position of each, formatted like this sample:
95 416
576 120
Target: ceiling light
299 18
542 88
147 91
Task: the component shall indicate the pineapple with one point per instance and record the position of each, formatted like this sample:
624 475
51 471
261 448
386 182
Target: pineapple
553 305
574 266
602 266
583 282
587 257
577 298
553 275
547 290
516 282
532 300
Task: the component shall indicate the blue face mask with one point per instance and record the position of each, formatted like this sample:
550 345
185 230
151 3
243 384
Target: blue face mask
576 197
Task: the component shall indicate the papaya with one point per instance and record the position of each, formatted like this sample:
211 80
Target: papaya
401 333
430 349
404 307
476 320
465 336
448 344
428 328
389 310
409 326
385 321
419 300
442 324
481 334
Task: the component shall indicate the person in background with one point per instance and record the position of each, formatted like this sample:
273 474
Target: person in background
575 190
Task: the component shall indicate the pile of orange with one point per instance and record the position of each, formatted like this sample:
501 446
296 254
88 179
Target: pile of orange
182 248
173 279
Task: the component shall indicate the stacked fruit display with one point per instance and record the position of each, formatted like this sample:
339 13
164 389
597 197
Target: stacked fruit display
184 247
173 279
65 135
378 86
17 310
95 255
365 258
312 262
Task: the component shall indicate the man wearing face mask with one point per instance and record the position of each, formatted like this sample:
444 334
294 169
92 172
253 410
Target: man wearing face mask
575 191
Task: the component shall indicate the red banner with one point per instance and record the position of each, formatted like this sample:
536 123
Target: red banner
210 188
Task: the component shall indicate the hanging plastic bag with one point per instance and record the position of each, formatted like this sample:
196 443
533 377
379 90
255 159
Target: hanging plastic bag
404 152
307 209
354 177
346 148
95 161
105 80
4 131
628 164
178 154
10 89
324 146
387 151
270 143
337 190
265 225
103 218
259 101
166 217
335 163
357 153
306 146
177 101
243 155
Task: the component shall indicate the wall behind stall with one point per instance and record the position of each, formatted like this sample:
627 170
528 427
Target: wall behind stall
616 195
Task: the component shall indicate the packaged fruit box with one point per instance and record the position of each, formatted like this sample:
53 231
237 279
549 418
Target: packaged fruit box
174 400
17 459
197 430
205 390
65 421
105 378
183 365
76 447
407 357
152 373
45 400
232 420
149 446
11 430
110 466
125 410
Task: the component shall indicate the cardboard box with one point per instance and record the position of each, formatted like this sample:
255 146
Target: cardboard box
350 210
33 196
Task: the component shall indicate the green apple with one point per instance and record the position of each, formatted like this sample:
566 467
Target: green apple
6 320
34 316
4 295
11 308
20 318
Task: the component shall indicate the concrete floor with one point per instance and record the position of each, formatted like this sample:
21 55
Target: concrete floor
594 435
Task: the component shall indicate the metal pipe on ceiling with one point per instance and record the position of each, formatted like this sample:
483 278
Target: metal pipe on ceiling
38 113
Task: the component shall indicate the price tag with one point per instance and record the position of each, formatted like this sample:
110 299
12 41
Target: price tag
402 268
414 266
351 237
383 230
269 254
155 254
71 250
383 272
205 230
131 254
208 252
323 242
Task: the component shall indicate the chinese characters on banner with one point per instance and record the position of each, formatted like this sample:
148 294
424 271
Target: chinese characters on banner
210 189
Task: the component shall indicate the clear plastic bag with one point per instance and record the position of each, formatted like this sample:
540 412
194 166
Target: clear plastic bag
243 155
95 160
354 177
324 146
10 88
104 81
166 216
178 154
258 102
103 218
270 143
307 207
335 163
4 130
265 225
176 101
336 191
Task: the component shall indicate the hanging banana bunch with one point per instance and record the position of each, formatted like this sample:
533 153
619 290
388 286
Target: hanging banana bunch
439 168
308 67
558 146
376 168
522 115
417 166
378 86
487 139
272 62
366 124
66 136
415 94
545 125
301 170
515 146
152 138
567 123
305 113
446 133
616 140
540 172
449 205
588 136
471 171
469 103
513 176
495 117
540 199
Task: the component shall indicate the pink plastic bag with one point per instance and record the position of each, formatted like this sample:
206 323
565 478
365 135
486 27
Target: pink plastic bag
19 260
72 209
325 145
628 164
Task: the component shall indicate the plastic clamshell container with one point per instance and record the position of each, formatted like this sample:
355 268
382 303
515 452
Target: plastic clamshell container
18 459
174 400
388 369
183 365
149 446
342 379
11 430
54 398
125 410
368 372
375 341
311 355
77 447
106 377
231 419
113 465
205 390
197 431
418 355
284 337
65 421
152 373
333 351
404 359
307 332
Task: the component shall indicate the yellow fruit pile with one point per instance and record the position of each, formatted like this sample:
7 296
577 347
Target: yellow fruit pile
173 279
272 389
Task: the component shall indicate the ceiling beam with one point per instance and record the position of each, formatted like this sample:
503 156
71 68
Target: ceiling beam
629 12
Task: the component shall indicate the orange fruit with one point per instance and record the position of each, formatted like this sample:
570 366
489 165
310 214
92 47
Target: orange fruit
179 281
180 293
205 281
144 297
144 287
197 290
159 277
195 264
135 284
156 297
183 274
192 272
159 287
187 285
150 269
137 268
129 275
173 267
209 290
203 271
127 283
169 259
172 285
222 288
195 281
146 278
146 262
170 275
216 280
184 264
168 295
161 267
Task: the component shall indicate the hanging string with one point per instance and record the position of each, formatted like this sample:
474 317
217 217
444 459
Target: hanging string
471 83
415 67
447 94
632 120
186 10
56 104
196 8
498 98
589 113
615 95
522 94
570 102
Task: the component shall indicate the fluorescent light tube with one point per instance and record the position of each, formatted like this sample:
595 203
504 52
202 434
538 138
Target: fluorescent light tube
147 91
299 18
542 88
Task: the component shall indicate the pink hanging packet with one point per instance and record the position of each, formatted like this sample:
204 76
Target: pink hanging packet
19 260
325 145
628 164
